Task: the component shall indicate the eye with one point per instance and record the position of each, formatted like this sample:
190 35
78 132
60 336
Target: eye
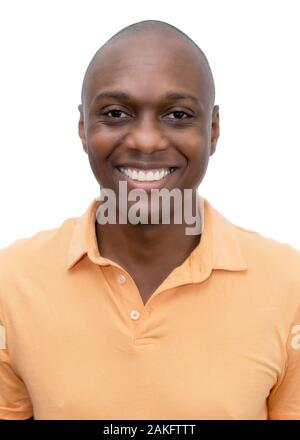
178 113
116 114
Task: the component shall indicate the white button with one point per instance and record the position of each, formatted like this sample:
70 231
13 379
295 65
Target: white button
121 279
134 314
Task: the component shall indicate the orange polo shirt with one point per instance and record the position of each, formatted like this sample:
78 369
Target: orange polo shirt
218 339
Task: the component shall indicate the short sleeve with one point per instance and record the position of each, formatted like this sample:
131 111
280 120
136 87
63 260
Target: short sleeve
15 403
284 399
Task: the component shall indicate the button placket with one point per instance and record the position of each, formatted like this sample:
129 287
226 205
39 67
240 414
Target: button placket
137 314
134 313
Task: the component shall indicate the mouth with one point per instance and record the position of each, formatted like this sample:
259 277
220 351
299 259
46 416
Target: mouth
146 178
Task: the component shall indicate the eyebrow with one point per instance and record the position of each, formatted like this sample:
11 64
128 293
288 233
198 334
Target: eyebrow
170 95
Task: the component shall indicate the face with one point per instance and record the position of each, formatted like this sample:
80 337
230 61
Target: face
148 116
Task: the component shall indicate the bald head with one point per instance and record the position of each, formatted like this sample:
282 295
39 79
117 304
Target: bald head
159 30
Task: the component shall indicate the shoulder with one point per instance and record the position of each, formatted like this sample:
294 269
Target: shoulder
255 244
25 255
271 262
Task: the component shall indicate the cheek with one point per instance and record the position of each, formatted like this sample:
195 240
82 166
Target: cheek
100 144
100 148
203 164
197 154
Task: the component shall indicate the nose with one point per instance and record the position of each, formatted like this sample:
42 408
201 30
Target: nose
146 135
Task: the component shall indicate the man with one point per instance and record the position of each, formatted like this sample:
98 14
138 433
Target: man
140 319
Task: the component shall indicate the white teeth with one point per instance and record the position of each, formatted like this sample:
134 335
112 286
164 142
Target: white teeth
144 176
150 176
141 176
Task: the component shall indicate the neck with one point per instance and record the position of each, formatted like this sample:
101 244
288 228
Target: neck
131 245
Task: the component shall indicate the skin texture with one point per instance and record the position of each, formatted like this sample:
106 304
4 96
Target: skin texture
147 128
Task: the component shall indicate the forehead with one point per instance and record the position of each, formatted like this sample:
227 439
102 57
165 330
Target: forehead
146 66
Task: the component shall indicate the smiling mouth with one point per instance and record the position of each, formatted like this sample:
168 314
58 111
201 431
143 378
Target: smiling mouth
146 175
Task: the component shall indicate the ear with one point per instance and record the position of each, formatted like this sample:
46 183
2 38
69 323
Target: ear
81 128
215 129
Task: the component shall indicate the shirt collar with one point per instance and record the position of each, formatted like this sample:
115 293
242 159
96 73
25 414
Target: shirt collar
219 247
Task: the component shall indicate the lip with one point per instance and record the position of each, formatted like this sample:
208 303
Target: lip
146 185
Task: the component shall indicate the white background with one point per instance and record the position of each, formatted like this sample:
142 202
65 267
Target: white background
253 49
